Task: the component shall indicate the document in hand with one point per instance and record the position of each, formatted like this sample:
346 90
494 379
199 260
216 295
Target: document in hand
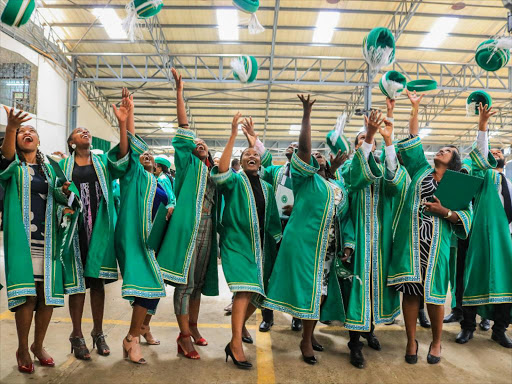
456 190
158 229
284 196
61 176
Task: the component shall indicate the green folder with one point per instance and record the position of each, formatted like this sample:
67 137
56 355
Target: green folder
67 234
157 233
456 190
61 176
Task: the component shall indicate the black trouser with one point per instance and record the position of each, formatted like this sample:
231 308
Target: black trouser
462 249
355 337
501 317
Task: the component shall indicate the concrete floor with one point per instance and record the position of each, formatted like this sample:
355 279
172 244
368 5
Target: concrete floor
276 354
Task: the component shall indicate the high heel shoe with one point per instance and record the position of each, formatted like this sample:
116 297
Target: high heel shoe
239 364
145 332
431 359
201 341
44 362
79 348
412 359
318 347
98 341
24 368
193 355
131 350
311 360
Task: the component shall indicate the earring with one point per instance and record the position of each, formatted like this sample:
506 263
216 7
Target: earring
73 146
92 147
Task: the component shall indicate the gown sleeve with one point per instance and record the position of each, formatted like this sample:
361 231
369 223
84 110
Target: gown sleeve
184 145
301 171
362 172
413 156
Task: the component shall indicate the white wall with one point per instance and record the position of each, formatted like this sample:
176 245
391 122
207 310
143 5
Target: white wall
52 103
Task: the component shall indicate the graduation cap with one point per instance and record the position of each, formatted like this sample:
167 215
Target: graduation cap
421 85
17 12
493 54
139 9
163 161
336 140
474 100
250 6
245 68
392 83
379 48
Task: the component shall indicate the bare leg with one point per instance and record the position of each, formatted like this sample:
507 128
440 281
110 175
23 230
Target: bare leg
76 310
240 304
42 320
313 339
436 314
147 319
97 308
411 307
306 346
23 317
193 314
138 316
185 343
249 312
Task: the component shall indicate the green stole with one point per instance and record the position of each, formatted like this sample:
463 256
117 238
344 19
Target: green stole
137 262
487 278
164 181
295 285
246 262
19 275
405 266
178 245
375 199
272 174
101 259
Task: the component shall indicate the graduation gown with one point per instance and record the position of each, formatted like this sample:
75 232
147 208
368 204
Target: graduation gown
487 275
272 174
15 180
295 285
405 266
247 259
101 258
137 262
164 181
178 245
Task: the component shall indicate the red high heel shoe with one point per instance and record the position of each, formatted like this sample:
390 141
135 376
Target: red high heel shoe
44 362
193 355
24 368
202 341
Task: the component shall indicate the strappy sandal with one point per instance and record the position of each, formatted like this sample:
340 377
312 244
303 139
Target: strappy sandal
193 355
79 347
98 340
201 341
145 332
131 350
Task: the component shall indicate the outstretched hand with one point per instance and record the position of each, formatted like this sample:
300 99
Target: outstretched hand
126 107
14 121
485 113
248 130
338 160
414 98
178 80
234 124
387 132
390 104
373 122
307 104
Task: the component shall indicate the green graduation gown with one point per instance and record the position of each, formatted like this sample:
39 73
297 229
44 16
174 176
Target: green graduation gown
101 259
247 259
164 181
179 242
272 174
405 266
15 180
295 285
487 277
137 262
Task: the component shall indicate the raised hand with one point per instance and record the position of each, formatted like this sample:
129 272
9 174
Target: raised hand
390 104
307 104
387 132
170 211
373 122
248 130
338 160
14 121
234 124
415 99
178 80
125 108
485 113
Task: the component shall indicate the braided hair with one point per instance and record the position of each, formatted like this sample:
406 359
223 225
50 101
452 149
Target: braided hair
39 155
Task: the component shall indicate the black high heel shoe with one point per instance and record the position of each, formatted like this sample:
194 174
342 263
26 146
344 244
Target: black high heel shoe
318 347
431 359
412 359
311 360
239 364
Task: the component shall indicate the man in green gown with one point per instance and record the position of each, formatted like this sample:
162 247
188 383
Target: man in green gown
162 166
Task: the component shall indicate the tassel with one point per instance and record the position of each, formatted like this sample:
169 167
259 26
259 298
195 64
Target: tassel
378 58
339 128
238 67
501 43
471 109
254 25
394 88
130 23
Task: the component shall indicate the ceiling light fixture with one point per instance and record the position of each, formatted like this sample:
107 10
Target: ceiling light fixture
227 19
325 25
439 32
294 130
425 132
111 22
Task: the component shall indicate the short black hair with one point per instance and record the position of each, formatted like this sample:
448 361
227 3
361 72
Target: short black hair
455 163
235 162
357 139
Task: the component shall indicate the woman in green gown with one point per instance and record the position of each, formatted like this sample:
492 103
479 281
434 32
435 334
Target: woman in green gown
304 284
250 231
421 246
34 271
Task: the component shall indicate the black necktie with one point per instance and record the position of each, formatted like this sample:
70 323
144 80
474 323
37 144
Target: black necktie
507 202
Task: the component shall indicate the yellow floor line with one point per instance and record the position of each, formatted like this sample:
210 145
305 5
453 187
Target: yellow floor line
264 356
6 315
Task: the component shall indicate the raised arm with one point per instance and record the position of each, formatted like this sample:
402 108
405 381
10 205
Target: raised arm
228 150
180 101
304 152
414 128
251 135
125 117
14 122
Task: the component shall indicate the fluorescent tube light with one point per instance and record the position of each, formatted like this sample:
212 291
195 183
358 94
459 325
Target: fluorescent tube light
325 25
439 32
227 19
425 132
111 22
295 129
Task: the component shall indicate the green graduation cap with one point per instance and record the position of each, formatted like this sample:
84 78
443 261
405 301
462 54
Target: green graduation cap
147 8
250 6
17 12
392 83
336 140
163 161
490 56
139 9
421 85
379 48
245 68
474 100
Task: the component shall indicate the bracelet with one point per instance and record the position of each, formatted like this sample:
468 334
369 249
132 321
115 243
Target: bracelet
448 215
390 119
